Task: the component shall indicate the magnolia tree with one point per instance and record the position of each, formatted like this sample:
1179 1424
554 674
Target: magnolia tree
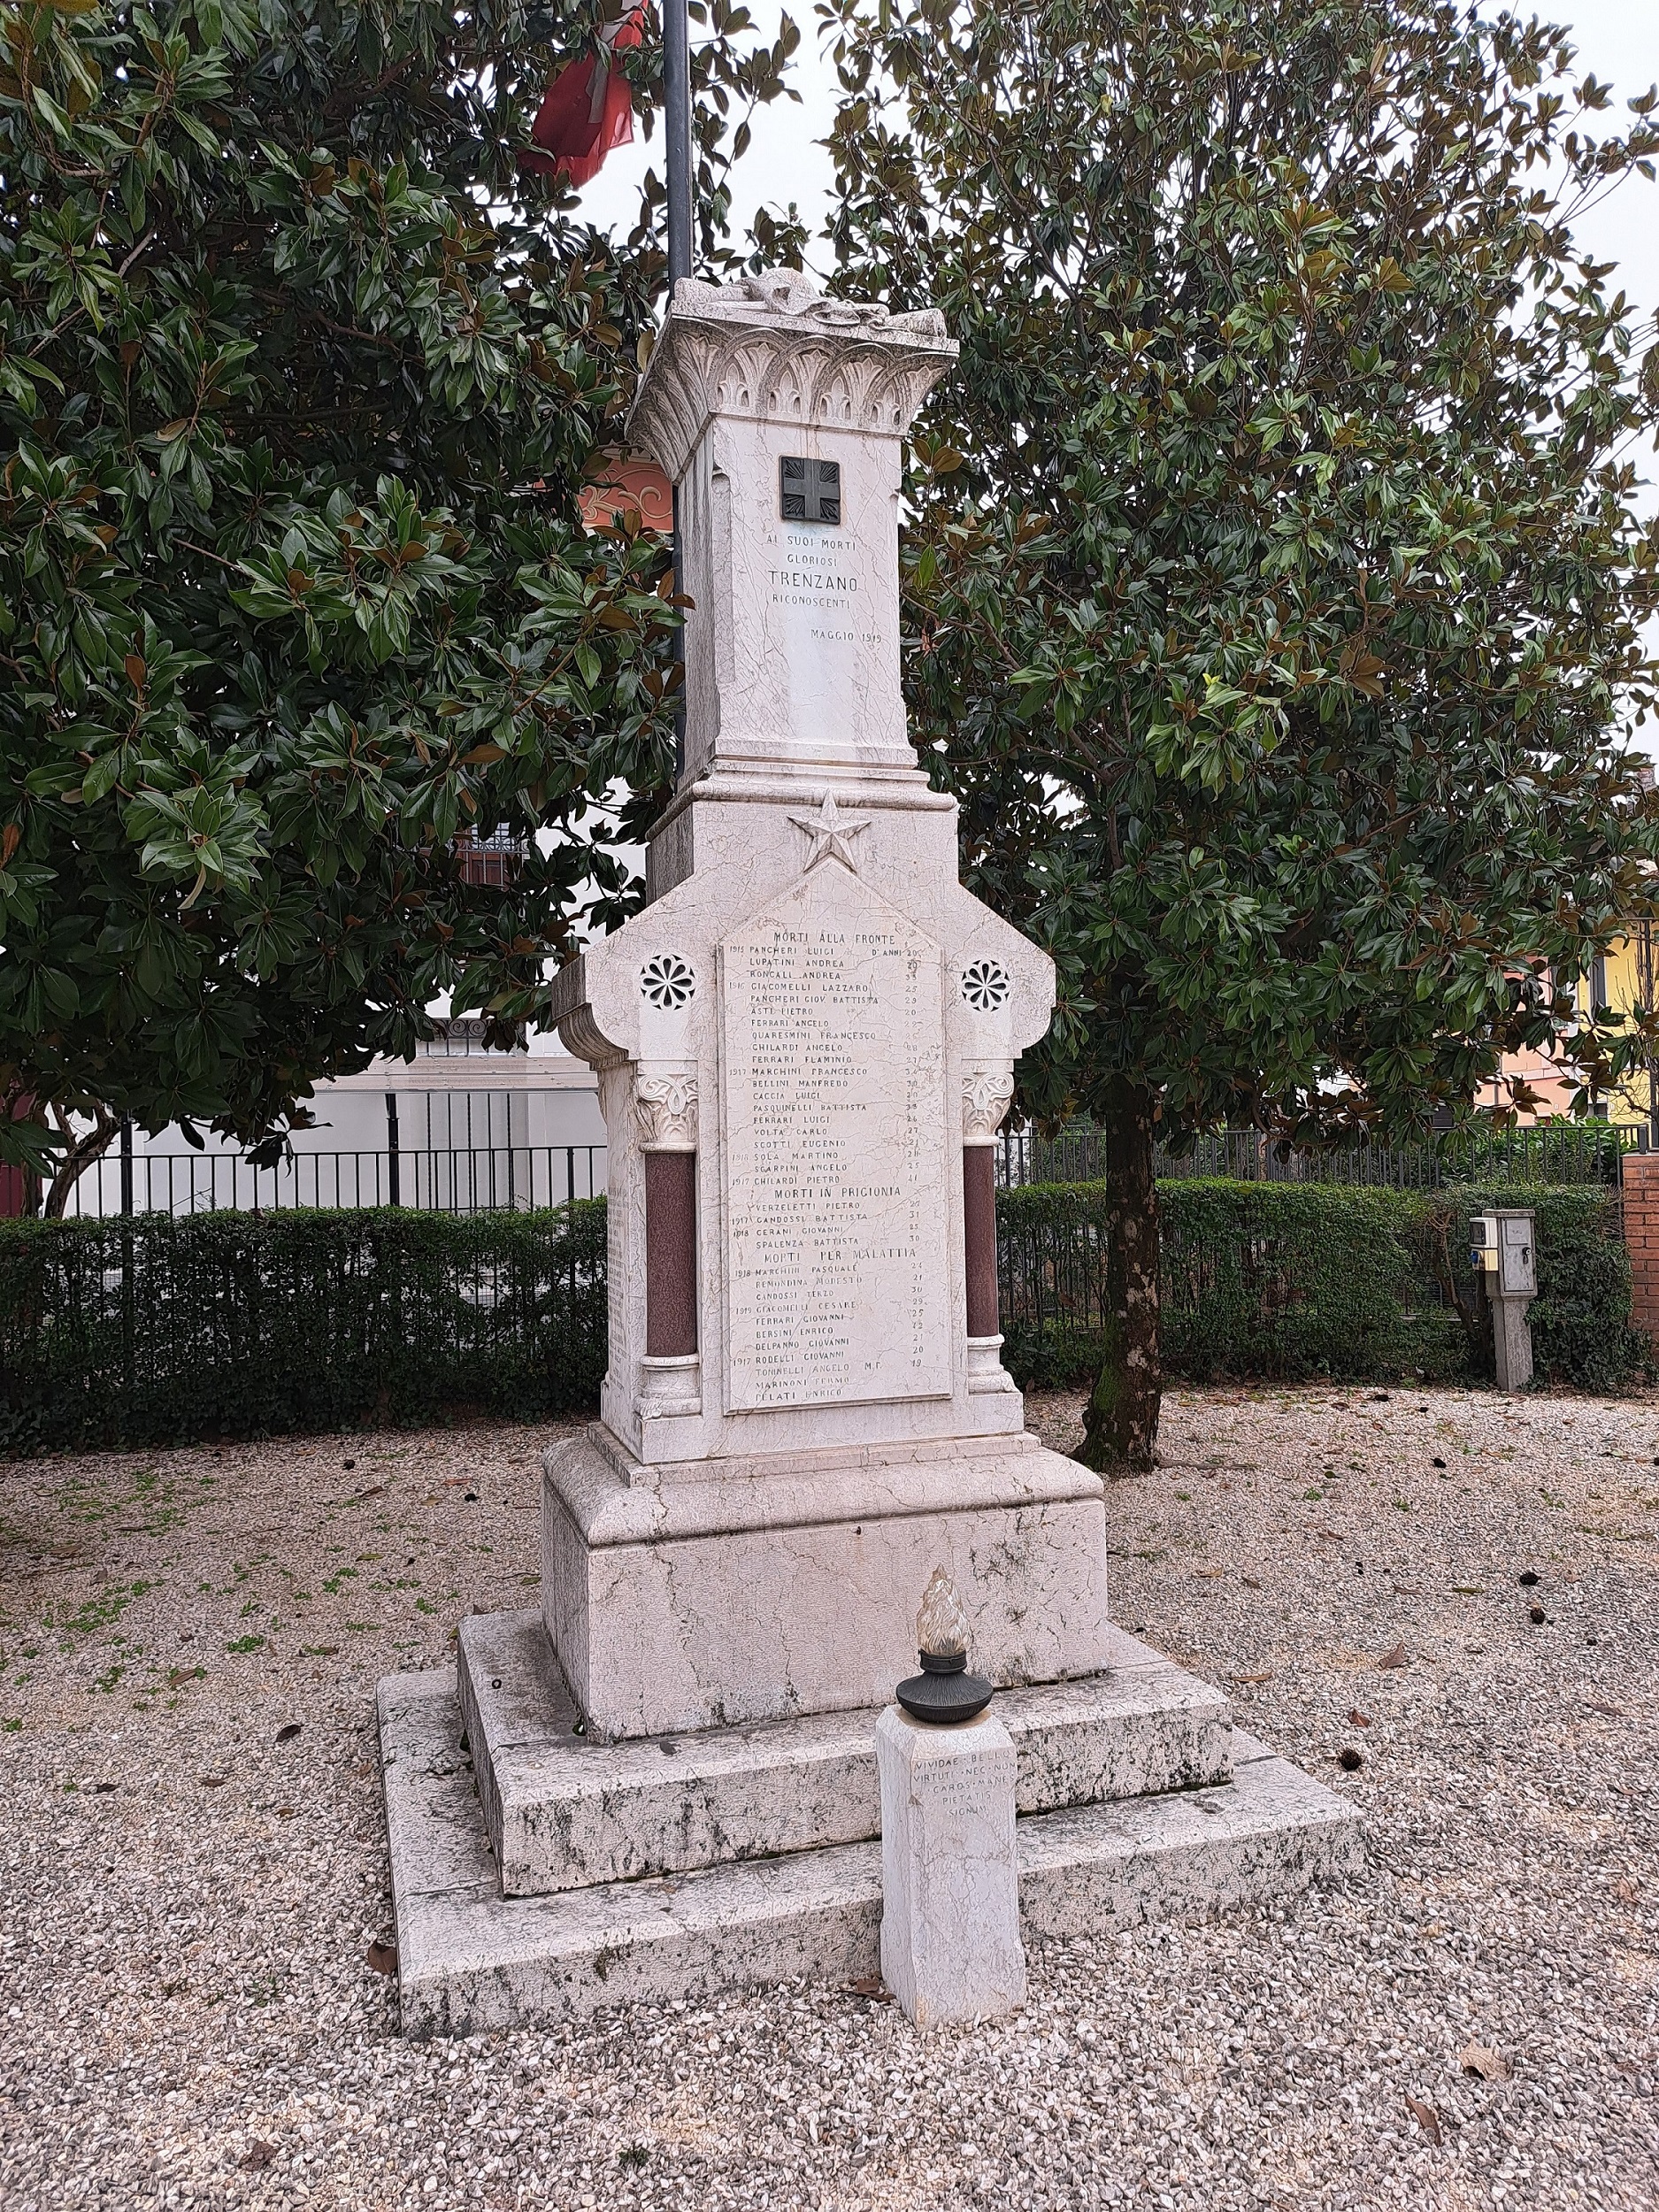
1274 584
300 375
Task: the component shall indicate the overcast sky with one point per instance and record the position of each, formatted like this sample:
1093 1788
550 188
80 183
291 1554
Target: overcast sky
1618 39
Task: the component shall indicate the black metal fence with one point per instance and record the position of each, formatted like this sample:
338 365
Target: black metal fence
476 1180
1285 1279
489 1178
1550 1152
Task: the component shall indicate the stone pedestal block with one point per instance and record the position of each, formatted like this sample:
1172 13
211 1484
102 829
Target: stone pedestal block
950 1947
695 1596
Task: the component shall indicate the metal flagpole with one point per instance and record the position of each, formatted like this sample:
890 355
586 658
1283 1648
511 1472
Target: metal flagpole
677 117
677 106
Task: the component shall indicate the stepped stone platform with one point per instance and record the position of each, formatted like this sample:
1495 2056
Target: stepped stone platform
562 1812
537 1875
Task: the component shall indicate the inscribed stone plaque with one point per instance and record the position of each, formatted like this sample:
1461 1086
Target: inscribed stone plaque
836 1152
823 603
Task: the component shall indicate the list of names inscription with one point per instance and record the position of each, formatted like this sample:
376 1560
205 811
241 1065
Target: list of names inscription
835 1134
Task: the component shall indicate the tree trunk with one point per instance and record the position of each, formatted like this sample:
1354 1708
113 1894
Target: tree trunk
78 1157
1120 1423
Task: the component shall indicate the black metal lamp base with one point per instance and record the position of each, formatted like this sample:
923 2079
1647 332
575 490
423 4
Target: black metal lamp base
944 1692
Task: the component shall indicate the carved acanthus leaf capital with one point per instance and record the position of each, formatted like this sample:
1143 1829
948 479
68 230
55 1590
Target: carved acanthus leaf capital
771 348
987 1094
665 1108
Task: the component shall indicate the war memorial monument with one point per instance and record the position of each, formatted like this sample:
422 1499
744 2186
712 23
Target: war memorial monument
663 1780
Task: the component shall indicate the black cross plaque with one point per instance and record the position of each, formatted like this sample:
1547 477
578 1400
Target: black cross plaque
810 491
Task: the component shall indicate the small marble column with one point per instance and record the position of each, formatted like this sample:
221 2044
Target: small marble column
978 1226
950 1947
987 1092
671 1255
665 1110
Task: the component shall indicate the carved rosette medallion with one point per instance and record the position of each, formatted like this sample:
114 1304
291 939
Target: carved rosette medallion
987 1094
665 1110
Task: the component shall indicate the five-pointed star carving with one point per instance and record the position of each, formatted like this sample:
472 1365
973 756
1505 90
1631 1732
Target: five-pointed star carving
832 831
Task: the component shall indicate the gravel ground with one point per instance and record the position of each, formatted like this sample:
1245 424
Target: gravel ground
195 1873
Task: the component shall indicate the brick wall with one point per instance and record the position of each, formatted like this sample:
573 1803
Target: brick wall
1641 1235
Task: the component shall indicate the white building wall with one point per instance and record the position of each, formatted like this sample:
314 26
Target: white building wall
473 1129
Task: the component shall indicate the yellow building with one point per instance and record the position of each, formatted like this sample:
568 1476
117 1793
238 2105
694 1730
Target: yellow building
1628 977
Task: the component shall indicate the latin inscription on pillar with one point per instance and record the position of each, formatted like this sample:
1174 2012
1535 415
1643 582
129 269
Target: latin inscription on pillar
836 1148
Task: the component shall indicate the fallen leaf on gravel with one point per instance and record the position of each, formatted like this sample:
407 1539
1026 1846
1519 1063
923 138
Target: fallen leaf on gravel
870 1985
1395 1658
1250 1582
1252 1677
103 1789
1626 1892
1467 1590
214 1781
259 2156
376 1491
383 1957
1359 1719
1475 2058
1425 2117
1607 1712
1207 1574
288 1730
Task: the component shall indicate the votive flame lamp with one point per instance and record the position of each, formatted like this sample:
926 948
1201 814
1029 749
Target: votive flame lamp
944 1692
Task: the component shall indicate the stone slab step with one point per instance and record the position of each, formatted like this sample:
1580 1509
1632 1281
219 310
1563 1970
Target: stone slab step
564 1813
470 1959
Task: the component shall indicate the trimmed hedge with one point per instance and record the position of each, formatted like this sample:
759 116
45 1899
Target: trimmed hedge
153 1331
1284 1281
157 1331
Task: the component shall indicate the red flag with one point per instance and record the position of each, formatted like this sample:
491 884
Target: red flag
588 110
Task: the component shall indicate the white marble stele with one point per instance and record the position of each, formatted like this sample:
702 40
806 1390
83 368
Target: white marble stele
805 1043
812 1005
950 1945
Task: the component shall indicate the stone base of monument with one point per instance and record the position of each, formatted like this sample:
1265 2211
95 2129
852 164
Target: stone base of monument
539 1873
681 1596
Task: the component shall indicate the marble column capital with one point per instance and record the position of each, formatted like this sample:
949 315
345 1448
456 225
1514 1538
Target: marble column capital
665 1108
987 1094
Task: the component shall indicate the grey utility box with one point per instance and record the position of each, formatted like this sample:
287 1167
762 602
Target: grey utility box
1504 1249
